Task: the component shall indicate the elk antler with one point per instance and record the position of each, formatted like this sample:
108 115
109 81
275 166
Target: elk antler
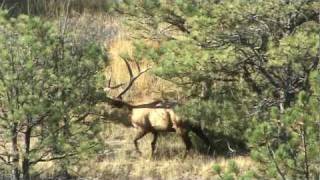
109 87
117 101
132 77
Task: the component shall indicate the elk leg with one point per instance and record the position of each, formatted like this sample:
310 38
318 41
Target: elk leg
187 142
154 142
139 135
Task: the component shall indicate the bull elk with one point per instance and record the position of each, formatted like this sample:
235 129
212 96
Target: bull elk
154 117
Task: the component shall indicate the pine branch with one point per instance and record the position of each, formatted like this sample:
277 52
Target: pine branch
271 153
43 159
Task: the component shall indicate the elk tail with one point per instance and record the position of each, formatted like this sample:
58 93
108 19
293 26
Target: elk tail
199 132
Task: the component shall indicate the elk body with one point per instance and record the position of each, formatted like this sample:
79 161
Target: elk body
153 117
155 120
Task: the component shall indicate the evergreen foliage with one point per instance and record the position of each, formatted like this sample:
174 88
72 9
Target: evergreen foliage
49 87
249 70
245 66
288 144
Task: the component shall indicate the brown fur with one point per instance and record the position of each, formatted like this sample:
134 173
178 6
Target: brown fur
155 120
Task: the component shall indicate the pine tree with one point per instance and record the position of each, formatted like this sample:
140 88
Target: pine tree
288 144
49 85
233 58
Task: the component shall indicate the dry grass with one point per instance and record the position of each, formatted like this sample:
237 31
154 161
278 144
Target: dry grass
120 161
148 86
54 8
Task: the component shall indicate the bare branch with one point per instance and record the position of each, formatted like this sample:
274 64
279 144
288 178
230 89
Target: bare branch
272 155
43 159
175 20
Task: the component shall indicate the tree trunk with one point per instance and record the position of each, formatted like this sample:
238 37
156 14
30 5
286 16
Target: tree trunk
205 90
15 152
286 100
26 160
63 164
